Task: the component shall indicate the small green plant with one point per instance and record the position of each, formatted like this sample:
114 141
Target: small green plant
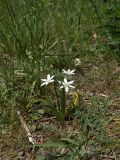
56 93
91 124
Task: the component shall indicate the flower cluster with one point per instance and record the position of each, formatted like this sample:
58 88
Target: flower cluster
64 84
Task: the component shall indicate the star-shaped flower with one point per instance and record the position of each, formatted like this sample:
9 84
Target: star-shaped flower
69 72
67 85
48 80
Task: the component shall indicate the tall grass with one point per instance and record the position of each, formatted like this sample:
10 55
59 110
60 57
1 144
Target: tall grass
37 34
113 26
45 28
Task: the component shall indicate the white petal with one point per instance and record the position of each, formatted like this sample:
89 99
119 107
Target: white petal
65 80
43 80
51 77
73 71
48 76
70 82
59 82
63 71
52 80
47 83
66 89
61 87
43 84
71 86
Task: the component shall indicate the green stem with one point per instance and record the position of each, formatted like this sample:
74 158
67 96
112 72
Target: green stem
63 102
57 96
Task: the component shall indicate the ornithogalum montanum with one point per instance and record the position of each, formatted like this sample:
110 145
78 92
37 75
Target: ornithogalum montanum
67 84
48 80
56 101
69 72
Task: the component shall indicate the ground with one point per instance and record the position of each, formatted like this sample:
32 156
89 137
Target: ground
99 78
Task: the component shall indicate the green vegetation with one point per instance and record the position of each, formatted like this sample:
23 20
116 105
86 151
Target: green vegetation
113 25
66 119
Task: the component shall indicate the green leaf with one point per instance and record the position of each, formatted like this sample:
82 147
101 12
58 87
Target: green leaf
55 144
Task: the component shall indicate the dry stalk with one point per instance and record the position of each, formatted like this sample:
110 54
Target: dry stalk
30 137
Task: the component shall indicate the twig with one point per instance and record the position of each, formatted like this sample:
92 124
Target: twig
107 156
30 137
48 119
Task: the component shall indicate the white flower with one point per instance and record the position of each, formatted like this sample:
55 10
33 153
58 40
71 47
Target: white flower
48 80
69 72
67 85
77 62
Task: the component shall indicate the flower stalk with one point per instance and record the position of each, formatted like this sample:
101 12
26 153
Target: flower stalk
63 103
